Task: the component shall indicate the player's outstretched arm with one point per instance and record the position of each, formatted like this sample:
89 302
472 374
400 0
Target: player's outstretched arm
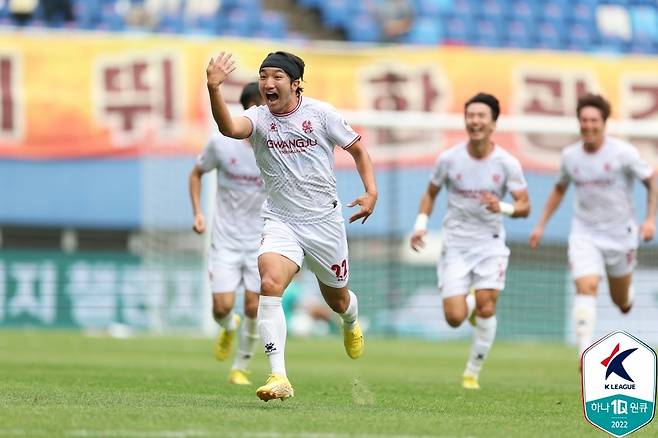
424 212
648 227
368 200
552 203
194 186
219 68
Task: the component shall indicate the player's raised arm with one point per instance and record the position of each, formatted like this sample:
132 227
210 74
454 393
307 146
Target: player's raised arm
368 200
194 187
552 203
648 227
424 212
219 68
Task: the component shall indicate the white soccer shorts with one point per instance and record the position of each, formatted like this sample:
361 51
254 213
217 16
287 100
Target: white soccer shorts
228 269
460 270
322 245
587 258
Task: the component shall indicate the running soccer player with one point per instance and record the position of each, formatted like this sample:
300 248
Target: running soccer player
236 232
604 236
477 174
293 138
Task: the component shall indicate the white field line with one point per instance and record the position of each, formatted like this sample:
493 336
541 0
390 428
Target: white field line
191 433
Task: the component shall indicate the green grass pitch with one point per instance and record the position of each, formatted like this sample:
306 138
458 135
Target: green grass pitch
60 384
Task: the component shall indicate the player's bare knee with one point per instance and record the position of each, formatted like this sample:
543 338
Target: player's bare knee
220 310
454 319
486 311
270 287
339 304
251 309
587 287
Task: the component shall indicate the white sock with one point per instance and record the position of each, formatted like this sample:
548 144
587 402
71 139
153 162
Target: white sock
483 337
470 304
352 313
631 295
272 329
227 322
247 343
584 317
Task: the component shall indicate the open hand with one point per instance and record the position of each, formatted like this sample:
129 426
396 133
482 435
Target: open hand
219 68
367 202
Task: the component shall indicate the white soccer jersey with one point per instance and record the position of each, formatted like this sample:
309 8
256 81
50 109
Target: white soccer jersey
237 222
295 153
467 222
604 183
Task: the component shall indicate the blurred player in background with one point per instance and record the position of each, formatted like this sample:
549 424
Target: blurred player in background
477 174
604 235
294 138
236 233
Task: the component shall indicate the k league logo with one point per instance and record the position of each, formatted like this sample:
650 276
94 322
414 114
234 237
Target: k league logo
619 384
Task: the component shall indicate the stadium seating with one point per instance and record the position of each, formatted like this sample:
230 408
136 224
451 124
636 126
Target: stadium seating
425 31
579 25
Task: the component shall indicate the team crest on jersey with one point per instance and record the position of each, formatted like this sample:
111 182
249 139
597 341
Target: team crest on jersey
307 127
273 127
496 178
606 167
232 161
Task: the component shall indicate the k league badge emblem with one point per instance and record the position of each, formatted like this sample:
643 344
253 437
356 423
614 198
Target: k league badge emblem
619 384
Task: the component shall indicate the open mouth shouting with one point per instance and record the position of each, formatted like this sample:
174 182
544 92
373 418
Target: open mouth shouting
272 96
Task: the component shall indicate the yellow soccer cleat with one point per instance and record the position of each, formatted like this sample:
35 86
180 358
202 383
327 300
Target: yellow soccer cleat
277 386
470 382
239 377
224 342
353 341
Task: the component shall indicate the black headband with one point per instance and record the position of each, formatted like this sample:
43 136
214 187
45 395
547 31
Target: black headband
278 60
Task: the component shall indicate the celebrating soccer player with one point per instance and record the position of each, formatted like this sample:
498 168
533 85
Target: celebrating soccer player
293 138
604 235
237 226
477 174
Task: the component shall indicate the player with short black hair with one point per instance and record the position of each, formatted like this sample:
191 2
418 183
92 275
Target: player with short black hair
476 174
604 236
294 138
